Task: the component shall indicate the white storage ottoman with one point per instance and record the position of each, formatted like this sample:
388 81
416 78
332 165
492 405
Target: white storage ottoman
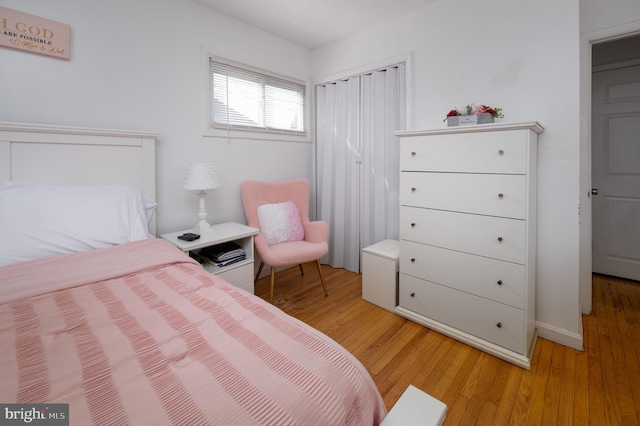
416 408
380 274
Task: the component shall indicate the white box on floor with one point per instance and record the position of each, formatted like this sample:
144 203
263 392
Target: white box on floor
380 274
416 408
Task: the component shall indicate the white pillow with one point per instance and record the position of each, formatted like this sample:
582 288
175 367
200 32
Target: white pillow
39 221
280 222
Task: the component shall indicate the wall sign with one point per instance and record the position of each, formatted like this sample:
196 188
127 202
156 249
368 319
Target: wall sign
32 33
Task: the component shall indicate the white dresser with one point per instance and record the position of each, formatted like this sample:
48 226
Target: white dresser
468 235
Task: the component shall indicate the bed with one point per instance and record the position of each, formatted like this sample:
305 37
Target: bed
137 332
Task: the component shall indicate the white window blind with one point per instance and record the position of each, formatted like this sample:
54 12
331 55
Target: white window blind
249 99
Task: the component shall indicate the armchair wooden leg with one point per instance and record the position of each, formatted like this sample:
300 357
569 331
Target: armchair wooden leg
324 285
259 271
273 281
301 271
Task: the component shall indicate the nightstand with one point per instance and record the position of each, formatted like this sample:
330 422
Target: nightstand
240 273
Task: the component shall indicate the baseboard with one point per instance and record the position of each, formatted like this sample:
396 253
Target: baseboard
562 337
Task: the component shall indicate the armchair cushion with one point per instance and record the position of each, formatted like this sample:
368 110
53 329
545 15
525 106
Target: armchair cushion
280 222
293 253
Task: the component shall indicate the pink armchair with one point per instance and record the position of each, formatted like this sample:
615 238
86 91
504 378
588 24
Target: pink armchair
316 233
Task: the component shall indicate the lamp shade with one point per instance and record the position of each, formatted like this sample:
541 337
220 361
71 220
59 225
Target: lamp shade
201 176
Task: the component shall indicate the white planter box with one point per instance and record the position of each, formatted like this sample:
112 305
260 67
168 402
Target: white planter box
473 119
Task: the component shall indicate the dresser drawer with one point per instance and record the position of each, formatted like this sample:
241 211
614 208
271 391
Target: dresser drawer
494 237
484 152
490 194
492 279
241 276
500 324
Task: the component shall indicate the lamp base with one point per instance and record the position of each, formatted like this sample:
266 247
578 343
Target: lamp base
201 228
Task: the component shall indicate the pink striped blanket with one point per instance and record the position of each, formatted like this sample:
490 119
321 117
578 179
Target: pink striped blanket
140 334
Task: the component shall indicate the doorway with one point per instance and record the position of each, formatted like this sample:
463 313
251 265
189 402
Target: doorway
615 157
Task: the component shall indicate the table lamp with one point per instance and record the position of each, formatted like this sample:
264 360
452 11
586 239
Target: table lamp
201 177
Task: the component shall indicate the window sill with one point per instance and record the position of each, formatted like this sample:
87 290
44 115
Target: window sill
256 135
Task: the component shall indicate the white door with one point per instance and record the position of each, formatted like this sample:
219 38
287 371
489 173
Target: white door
616 172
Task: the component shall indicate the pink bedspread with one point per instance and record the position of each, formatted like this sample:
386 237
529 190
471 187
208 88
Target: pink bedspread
140 334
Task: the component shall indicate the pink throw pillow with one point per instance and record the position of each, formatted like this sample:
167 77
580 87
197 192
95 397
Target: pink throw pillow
280 222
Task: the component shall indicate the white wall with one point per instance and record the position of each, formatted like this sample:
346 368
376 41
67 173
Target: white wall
614 15
523 57
137 65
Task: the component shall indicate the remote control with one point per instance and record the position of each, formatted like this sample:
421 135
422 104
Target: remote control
189 236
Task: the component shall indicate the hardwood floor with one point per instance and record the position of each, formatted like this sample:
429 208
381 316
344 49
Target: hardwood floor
597 386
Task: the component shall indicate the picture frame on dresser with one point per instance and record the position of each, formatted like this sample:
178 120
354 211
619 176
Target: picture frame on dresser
468 235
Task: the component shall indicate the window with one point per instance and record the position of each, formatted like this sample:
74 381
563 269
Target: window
243 98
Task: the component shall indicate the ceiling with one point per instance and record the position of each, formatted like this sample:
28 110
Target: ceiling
313 23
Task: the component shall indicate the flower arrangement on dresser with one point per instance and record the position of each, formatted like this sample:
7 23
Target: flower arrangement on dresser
472 114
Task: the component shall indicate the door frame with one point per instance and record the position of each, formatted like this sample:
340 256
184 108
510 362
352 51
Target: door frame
587 40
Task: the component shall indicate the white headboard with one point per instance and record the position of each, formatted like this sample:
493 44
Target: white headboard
59 155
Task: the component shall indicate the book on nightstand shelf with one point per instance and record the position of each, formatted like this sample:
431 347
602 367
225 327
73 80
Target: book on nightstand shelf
220 255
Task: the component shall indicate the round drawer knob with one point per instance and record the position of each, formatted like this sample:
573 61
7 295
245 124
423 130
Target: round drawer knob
499 282
501 152
500 239
413 224
413 154
499 325
413 259
500 195
413 295
413 189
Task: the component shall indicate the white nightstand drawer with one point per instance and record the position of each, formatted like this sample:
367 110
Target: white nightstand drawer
494 237
241 276
499 152
489 194
500 324
492 279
